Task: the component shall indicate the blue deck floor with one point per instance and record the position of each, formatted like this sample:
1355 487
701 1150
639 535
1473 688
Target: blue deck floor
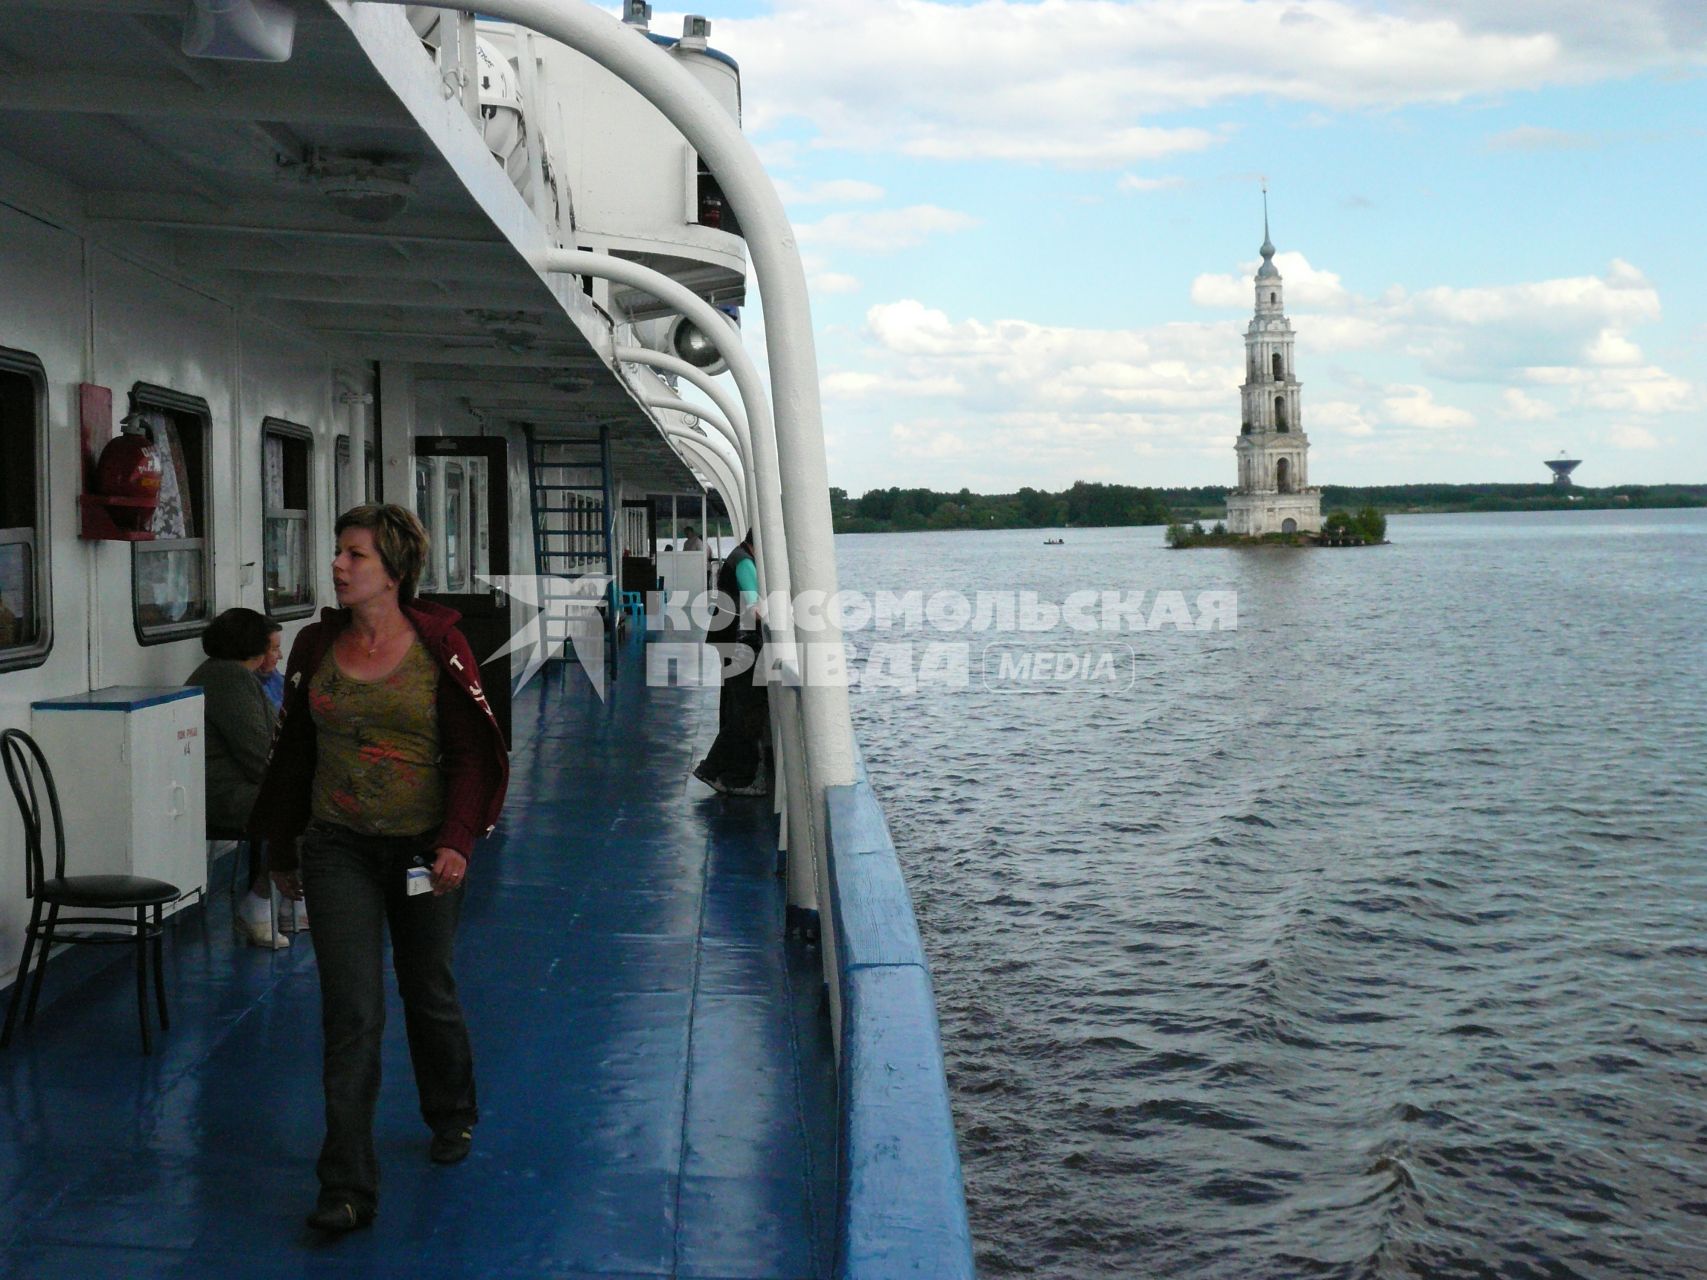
656 1087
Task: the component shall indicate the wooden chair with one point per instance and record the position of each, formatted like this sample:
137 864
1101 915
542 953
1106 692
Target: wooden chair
30 778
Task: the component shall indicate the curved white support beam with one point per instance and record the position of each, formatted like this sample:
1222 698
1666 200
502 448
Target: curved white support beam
728 470
788 455
736 417
700 454
663 400
771 530
808 873
714 390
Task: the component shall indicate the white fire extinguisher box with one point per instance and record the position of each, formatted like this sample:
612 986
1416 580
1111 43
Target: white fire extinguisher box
127 761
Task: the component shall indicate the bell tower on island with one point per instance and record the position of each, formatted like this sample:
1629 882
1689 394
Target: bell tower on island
1274 494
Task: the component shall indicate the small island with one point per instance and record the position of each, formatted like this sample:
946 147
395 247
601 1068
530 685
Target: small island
1368 528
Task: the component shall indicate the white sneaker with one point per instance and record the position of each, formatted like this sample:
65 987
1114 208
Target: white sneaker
291 913
259 934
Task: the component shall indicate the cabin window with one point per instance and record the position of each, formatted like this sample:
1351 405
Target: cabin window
287 525
25 630
452 496
711 208
456 567
171 576
342 501
424 508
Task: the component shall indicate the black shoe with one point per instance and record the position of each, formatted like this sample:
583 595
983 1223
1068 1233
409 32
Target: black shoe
340 1217
705 776
450 1146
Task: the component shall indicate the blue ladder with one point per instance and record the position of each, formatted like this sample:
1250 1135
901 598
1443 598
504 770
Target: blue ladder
574 531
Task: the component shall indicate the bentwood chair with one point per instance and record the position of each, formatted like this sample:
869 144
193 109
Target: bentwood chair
31 780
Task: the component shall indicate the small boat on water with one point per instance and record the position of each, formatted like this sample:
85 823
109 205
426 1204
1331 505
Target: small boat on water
1054 542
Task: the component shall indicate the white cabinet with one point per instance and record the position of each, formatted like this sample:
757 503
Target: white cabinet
128 765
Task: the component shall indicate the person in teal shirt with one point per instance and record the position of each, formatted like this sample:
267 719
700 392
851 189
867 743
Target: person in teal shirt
735 763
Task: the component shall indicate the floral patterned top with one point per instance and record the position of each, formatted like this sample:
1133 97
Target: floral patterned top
377 765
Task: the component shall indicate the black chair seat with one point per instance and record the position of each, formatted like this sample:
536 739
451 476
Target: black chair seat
108 891
31 780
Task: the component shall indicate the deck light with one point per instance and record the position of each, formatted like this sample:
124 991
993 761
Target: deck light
696 32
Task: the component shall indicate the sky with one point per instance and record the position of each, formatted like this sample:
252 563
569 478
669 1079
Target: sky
1031 229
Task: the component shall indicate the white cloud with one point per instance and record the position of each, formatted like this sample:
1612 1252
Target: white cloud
883 230
1412 406
1305 285
1632 437
1527 137
1523 407
833 191
847 384
1622 297
1070 81
1132 182
1642 389
1611 347
1012 401
1014 365
1341 416
828 282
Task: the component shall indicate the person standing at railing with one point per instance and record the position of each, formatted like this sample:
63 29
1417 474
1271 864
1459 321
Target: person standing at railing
387 766
735 763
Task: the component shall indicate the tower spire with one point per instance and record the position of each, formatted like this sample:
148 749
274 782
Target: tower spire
1268 269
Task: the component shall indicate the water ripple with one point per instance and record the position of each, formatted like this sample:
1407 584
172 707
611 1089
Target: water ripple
1363 941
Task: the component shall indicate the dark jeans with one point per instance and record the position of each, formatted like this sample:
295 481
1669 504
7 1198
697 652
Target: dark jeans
355 886
743 722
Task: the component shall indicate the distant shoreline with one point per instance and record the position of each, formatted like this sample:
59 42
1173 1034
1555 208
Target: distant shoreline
1100 506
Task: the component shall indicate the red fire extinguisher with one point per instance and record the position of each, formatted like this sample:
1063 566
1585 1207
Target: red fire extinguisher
129 471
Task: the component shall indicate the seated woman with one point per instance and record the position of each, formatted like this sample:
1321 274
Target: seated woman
238 734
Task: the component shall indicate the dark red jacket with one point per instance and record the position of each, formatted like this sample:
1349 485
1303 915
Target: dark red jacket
475 761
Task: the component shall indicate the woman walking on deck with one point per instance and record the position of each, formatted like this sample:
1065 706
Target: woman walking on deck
388 765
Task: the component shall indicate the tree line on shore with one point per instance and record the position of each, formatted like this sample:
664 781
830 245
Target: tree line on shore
1092 505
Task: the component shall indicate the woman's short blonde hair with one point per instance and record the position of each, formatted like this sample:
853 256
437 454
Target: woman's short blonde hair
398 536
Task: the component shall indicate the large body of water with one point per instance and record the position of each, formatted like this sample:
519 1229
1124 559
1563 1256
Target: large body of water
1366 939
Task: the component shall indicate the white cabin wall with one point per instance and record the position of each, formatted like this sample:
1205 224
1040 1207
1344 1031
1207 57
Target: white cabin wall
148 328
284 376
91 315
44 310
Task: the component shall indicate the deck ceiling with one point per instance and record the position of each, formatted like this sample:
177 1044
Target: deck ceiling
202 164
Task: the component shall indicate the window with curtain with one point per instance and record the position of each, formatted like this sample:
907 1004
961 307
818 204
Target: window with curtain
24 613
171 576
287 517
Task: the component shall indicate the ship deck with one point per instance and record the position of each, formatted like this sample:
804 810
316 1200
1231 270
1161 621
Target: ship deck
657 1089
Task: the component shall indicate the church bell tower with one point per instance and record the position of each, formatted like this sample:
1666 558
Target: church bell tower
1274 493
